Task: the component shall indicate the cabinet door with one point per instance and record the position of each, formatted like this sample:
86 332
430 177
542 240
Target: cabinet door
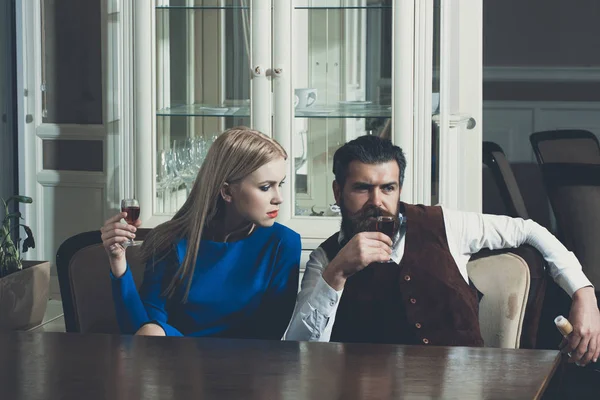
68 127
407 71
211 65
458 126
336 86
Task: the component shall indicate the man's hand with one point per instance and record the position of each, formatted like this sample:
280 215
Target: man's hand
363 249
584 342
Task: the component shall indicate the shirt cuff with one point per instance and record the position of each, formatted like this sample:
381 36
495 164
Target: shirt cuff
572 281
324 298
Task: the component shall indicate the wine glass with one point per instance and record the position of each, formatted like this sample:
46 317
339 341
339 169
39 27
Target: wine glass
165 178
184 163
386 225
132 208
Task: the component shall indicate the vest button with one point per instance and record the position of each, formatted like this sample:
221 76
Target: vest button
407 278
413 300
425 340
418 325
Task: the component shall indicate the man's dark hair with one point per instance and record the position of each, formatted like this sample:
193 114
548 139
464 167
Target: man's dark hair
368 150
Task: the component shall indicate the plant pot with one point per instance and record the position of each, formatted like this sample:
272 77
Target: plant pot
24 296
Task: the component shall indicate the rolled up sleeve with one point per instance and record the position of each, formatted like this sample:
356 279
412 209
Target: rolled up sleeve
316 304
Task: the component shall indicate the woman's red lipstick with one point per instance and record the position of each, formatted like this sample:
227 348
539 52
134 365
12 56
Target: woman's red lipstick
273 214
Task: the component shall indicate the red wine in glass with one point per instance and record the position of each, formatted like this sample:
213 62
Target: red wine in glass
384 225
133 213
132 208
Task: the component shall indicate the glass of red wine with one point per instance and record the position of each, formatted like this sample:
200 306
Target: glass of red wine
386 225
132 208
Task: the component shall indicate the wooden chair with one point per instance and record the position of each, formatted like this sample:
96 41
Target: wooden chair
84 280
570 164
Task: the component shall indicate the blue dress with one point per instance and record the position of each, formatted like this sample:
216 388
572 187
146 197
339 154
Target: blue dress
243 289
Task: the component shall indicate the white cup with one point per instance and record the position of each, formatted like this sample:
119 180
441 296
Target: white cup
305 97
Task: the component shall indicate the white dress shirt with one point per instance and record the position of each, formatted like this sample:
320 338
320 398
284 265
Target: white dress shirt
467 234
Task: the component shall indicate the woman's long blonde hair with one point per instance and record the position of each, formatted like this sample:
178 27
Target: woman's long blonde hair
235 154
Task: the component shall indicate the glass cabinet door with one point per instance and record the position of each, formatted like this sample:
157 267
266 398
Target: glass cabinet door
342 59
202 87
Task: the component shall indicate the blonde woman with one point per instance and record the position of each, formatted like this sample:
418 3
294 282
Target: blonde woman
222 266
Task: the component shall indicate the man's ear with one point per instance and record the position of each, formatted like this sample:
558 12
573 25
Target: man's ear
226 192
337 192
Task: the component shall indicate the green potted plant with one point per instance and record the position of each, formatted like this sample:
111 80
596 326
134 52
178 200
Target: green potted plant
24 285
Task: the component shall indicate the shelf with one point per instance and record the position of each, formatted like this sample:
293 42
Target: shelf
374 7
338 5
241 111
205 110
204 5
337 111
377 7
201 8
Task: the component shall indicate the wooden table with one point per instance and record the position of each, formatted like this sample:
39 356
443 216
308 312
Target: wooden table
89 366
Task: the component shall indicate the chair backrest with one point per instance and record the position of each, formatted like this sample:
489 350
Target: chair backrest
494 158
84 280
570 164
513 284
565 146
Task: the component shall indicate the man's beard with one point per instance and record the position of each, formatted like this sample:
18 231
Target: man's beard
363 220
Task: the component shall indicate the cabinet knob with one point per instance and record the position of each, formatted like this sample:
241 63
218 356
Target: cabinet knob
471 123
258 71
278 71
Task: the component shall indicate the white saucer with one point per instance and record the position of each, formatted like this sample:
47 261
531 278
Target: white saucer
314 111
354 103
213 110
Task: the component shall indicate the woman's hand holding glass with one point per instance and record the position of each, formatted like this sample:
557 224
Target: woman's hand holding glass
115 238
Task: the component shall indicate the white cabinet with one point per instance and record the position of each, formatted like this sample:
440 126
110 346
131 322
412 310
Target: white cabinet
313 74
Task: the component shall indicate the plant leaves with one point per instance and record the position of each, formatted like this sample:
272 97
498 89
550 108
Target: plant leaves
29 242
14 215
21 199
9 263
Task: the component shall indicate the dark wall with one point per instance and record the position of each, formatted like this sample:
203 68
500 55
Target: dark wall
536 33
541 33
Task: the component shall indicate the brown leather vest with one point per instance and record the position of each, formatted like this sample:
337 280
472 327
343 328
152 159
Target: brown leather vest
424 300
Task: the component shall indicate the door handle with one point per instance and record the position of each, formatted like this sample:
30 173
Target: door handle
258 71
471 123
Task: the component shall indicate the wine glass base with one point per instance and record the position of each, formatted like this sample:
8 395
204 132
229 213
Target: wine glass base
132 243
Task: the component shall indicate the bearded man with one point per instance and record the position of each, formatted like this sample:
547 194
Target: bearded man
362 285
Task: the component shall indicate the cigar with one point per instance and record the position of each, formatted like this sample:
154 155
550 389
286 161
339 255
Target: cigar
563 325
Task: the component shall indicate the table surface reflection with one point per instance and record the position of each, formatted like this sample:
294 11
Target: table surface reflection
91 366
